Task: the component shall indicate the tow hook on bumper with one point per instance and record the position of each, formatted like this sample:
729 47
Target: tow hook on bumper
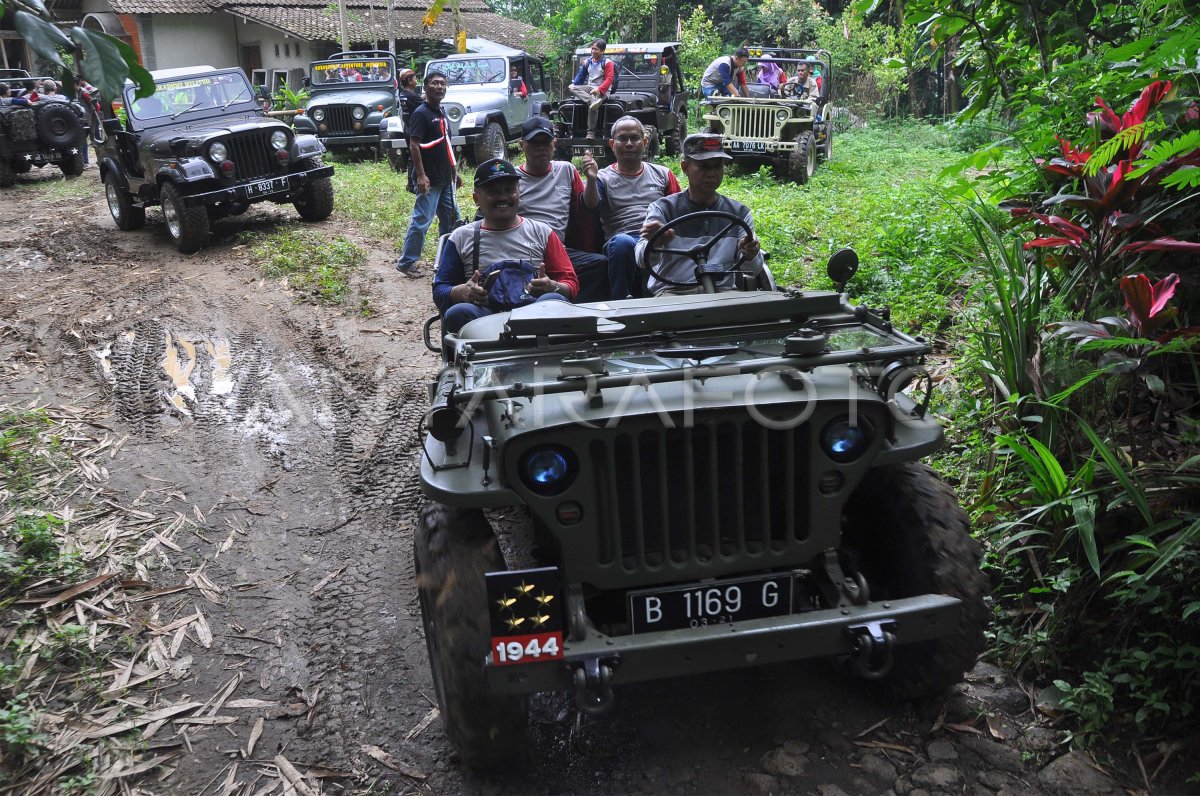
593 684
874 648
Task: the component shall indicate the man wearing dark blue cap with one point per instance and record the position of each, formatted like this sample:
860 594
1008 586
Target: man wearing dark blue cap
551 192
459 288
703 163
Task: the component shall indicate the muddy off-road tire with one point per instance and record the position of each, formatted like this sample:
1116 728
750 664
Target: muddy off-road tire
120 205
803 160
453 549
398 159
674 142
21 166
72 164
315 202
490 144
7 175
905 532
188 226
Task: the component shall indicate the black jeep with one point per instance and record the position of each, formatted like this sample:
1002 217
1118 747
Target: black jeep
202 148
40 133
649 87
351 94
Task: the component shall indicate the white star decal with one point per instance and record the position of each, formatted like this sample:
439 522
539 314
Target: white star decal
29 157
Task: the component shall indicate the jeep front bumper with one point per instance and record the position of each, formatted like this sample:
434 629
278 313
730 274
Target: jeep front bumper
278 188
719 647
334 141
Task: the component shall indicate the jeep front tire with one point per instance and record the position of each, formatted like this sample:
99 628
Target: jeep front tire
490 144
453 549
803 160
120 205
72 163
188 226
906 534
315 202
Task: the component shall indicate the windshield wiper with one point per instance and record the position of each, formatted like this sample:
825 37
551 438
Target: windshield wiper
698 353
185 110
236 97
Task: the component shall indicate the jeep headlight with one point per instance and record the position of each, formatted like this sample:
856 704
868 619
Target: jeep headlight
217 152
454 113
844 442
279 139
318 114
358 112
549 469
724 113
781 116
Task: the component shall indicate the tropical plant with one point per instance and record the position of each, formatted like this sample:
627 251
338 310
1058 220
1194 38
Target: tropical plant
1106 217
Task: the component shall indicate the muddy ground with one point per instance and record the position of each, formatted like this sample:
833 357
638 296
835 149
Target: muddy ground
289 432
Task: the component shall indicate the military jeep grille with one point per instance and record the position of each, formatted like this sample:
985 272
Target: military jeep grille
751 121
252 155
339 119
721 489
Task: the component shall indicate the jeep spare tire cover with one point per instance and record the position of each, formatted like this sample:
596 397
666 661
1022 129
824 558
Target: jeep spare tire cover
57 125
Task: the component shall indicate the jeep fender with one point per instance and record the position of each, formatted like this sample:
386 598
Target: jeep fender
304 125
541 108
109 164
185 171
307 146
392 127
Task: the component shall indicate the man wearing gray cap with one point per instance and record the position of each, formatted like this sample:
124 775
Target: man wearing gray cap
551 192
703 163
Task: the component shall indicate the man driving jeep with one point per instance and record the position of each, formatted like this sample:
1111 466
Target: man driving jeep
703 163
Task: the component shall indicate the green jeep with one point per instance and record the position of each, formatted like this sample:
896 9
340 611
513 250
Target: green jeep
350 96
786 128
711 482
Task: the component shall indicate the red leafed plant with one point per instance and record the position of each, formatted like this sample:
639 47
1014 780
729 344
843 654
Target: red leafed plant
1126 204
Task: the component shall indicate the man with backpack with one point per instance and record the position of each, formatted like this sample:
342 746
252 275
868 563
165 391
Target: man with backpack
593 82
502 261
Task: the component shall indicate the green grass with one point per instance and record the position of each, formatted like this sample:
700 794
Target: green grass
85 186
319 269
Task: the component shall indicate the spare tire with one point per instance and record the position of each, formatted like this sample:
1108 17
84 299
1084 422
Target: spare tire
57 125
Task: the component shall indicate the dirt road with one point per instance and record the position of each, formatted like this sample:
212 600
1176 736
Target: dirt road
286 435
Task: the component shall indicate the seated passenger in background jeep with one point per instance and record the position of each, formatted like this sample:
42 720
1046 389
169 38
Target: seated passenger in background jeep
551 192
460 289
704 164
622 193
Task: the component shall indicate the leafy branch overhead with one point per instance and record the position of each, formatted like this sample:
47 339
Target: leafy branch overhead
106 61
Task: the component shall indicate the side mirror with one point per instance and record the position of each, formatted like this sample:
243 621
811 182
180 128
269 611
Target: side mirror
306 82
262 92
842 266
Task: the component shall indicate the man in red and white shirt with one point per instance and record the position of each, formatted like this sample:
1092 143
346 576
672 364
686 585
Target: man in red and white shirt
550 192
623 192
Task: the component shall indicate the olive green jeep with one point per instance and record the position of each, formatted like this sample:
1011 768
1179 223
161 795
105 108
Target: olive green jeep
711 481
786 127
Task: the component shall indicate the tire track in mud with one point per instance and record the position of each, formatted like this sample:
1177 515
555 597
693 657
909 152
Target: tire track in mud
365 646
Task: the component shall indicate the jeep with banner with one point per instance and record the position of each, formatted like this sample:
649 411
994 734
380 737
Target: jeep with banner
202 148
41 133
649 87
484 102
350 94
786 128
709 482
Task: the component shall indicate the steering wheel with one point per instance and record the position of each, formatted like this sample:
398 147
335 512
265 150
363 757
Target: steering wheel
790 89
699 252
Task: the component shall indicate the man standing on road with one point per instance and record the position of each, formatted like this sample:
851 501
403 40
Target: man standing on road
623 192
459 290
704 165
592 83
550 192
433 175
726 75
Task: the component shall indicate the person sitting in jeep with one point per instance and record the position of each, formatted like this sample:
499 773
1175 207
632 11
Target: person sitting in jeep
726 75
623 192
803 81
459 289
704 165
592 83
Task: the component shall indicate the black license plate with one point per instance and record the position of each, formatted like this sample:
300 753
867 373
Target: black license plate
748 146
597 150
712 603
271 185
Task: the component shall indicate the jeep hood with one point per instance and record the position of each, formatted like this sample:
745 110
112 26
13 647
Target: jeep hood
367 97
478 98
201 130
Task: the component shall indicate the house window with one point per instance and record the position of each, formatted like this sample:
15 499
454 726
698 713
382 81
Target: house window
287 49
276 50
